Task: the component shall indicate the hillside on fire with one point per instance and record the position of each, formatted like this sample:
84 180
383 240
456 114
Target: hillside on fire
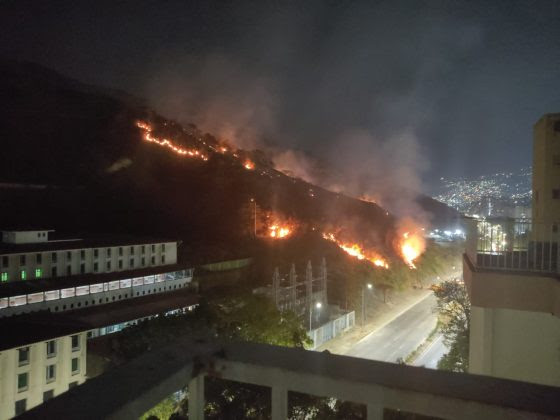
89 159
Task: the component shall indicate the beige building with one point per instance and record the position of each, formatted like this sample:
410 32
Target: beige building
34 372
512 271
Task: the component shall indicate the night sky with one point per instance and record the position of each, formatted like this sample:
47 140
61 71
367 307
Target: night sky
461 82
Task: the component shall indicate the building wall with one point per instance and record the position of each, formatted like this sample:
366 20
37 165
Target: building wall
514 344
84 260
546 169
36 370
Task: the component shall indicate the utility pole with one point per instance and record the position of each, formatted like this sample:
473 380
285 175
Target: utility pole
254 214
369 286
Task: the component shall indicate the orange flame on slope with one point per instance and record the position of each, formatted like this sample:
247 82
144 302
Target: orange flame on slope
357 251
412 246
278 232
249 165
147 128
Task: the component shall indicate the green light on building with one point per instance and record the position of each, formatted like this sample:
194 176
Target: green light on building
23 274
4 277
38 273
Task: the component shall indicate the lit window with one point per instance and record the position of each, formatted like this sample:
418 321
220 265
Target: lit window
4 277
23 275
38 273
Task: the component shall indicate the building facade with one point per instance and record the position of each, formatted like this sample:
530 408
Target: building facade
33 373
512 272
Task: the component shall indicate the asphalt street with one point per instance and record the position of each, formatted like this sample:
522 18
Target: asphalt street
431 355
399 337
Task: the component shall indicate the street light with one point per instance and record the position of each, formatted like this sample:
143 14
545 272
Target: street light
369 286
318 305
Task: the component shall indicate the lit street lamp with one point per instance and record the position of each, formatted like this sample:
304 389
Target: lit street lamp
318 306
369 286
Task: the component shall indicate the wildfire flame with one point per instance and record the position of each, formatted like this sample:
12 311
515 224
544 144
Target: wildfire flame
249 165
357 251
279 232
412 246
147 128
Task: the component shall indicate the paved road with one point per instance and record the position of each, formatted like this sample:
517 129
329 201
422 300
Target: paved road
399 337
431 355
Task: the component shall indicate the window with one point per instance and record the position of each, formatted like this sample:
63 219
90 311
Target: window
143 249
69 270
108 265
554 228
557 126
83 254
47 395
82 268
22 259
4 277
21 406
38 273
23 274
22 381
120 251
50 373
75 365
556 194
51 348
39 258
131 263
153 248
68 255
120 264
53 272
162 247
23 356
75 342
131 250
108 252
163 259
96 253
5 261
143 261
95 267
153 260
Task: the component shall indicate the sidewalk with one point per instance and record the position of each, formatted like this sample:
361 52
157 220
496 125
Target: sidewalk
379 315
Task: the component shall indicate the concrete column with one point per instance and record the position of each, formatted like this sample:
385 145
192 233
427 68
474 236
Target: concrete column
374 412
279 403
196 398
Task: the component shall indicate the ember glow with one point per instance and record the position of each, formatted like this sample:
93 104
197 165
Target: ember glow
147 129
279 232
249 165
412 246
357 251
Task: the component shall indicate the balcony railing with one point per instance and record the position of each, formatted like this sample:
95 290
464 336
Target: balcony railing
513 244
130 390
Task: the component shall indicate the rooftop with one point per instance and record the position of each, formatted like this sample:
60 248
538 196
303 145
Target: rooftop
34 327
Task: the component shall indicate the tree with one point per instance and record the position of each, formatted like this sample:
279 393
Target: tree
454 308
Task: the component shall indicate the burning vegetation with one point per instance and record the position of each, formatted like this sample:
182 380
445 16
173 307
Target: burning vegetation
358 251
411 246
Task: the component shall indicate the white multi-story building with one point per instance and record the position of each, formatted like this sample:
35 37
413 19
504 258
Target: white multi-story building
512 269
60 275
35 370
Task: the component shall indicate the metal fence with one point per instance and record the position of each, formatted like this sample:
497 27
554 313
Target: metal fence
516 244
331 329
